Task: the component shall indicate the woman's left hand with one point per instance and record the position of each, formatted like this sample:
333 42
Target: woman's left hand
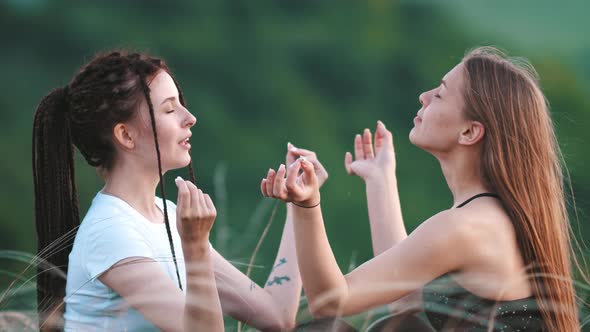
289 185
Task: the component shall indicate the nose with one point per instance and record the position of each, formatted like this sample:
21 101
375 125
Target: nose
423 98
190 119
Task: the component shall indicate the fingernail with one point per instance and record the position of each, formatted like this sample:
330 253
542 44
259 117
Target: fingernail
282 166
302 158
178 178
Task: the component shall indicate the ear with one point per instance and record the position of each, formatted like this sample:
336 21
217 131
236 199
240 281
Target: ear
124 136
472 134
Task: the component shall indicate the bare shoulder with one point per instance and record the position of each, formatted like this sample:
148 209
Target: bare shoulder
450 230
471 230
488 220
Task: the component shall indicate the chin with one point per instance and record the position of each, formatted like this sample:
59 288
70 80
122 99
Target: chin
412 137
415 141
180 163
184 163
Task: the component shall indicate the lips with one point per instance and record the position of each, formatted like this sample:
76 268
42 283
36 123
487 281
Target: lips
185 142
417 120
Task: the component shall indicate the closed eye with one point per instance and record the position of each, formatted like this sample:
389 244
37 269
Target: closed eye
170 111
437 94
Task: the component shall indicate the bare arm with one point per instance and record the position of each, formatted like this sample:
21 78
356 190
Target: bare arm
275 305
376 166
398 271
271 307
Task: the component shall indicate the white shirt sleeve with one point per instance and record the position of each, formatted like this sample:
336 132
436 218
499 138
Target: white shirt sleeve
111 241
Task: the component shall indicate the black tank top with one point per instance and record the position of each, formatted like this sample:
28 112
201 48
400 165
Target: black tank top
450 307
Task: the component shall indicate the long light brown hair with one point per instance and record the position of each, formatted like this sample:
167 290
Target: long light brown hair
522 163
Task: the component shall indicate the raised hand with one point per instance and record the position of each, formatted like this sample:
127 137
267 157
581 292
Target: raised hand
195 213
301 189
293 153
372 162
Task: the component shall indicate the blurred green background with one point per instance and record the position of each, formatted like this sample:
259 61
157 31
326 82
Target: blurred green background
258 74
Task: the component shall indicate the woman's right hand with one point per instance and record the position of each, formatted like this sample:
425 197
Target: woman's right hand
195 213
372 163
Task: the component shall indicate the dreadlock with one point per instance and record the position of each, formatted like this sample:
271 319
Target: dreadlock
106 91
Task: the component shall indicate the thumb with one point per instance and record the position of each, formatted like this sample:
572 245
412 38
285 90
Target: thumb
357 168
308 171
383 133
348 162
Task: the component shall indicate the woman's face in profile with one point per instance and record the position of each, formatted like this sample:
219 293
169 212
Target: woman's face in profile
173 123
440 119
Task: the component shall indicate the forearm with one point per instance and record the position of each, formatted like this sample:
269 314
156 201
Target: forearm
202 310
324 284
385 214
284 281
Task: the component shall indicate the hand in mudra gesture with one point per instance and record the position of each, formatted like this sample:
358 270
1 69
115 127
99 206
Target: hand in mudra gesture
195 213
297 183
372 160
293 153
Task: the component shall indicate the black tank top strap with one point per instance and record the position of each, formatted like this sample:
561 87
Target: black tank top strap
477 196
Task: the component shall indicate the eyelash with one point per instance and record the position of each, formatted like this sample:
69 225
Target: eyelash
170 111
437 96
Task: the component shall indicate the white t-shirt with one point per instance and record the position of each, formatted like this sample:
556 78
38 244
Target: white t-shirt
111 231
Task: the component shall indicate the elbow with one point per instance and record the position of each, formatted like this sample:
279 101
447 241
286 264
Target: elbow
280 325
329 303
332 308
287 324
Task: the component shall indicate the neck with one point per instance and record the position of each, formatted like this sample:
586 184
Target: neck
462 172
135 185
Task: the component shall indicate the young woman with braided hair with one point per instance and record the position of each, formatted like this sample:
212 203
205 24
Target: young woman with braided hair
136 261
500 258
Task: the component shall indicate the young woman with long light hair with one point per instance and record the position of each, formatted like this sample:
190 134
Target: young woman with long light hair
500 257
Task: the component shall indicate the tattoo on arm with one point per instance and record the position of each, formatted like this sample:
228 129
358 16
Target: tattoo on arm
278 280
281 262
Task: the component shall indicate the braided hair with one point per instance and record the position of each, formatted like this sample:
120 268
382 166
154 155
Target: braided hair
106 91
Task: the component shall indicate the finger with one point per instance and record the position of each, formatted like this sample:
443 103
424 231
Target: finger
202 204
292 173
263 188
358 148
291 153
184 198
368 144
347 162
210 206
308 154
194 194
319 168
382 136
308 172
277 189
312 157
270 178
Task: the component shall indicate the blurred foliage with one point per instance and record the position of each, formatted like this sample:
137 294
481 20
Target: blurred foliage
258 74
